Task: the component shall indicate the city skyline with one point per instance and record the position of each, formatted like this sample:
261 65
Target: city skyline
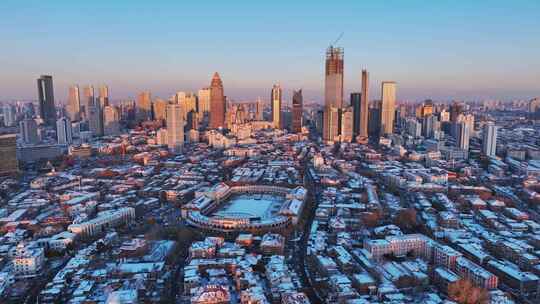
476 63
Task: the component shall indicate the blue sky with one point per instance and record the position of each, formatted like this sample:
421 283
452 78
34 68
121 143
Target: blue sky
432 49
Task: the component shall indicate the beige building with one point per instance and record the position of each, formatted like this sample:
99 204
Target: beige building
175 127
8 154
160 109
275 103
144 106
388 107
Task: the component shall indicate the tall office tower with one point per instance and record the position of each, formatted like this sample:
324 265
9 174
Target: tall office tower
103 96
444 115
462 135
29 131
64 134
275 105
203 105
160 108
144 106
175 127
333 92
47 109
347 124
95 120
189 104
192 123
489 139
74 103
297 111
413 127
10 116
364 106
374 125
333 82
388 107
319 121
429 125
259 110
425 109
330 123
111 121
217 103
88 100
455 110
8 154
356 99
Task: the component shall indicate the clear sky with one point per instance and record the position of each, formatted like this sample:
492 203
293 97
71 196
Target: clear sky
432 49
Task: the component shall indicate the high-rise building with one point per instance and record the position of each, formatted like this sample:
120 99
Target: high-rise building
275 105
175 127
29 131
10 115
203 98
374 123
103 96
330 123
356 100
333 92
364 106
111 121
217 103
144 106
74 103
259 110
462 137
347 124
47 109
95 120
333 82
455 110
444 115
297 111
388 107
64 132
489 139
8 154
88 101
160 109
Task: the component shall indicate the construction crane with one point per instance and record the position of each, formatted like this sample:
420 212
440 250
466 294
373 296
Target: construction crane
338 39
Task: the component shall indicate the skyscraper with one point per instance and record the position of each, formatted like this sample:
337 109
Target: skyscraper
275 104
217 103
103 96
64 133
462 135
259 110
29 131
203 98
8 154
111 121
160 109
489 139
330 123
346 124
356 100
364 106
10 116
47 109
74 103
297 111
333 82
88 101
175 127
95 120
144 106
333 92
388 107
